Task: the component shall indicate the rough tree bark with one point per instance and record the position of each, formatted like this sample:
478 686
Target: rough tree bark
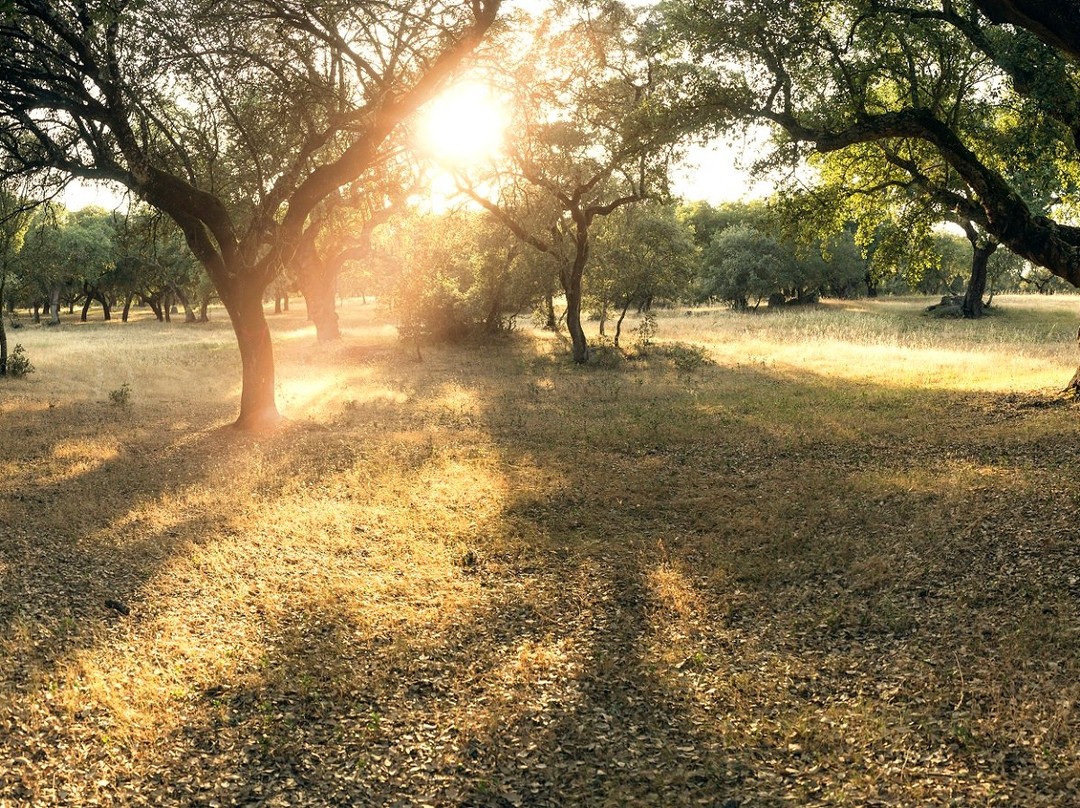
258 410
982 247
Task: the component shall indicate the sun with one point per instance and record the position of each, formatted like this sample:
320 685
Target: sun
464 125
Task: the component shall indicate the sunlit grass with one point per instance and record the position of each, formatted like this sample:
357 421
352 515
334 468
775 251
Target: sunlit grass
1028 343
831 566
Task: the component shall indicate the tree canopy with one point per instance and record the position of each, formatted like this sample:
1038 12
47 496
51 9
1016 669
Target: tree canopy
941 90
236 119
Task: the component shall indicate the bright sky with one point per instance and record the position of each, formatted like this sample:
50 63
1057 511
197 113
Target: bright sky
80 194
714 174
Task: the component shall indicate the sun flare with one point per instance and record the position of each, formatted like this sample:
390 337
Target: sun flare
464 125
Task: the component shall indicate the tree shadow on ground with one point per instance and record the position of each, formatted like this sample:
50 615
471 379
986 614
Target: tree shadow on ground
682 596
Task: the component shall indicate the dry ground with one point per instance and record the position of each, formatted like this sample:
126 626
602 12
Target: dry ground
838 566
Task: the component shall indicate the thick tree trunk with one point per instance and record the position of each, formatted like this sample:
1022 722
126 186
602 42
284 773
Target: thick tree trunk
976 287
203 316
579 345
178 293
258 409
318 292
127 307
85 308
54 306
37 314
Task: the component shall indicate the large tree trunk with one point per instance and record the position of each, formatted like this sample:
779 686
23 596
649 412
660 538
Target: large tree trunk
127 307
258 409
178 293
976 287
318 290
54 306
579 345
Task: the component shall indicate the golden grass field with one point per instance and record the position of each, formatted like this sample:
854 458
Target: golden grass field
837 565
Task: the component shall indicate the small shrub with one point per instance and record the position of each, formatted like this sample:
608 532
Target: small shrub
604 354
17 363
122 396
645 332
686 356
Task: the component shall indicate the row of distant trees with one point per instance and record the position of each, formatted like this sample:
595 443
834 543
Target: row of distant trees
56 258
463 272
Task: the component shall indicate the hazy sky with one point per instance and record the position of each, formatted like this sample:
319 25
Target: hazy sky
711 173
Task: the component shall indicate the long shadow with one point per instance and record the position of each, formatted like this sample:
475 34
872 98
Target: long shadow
702 600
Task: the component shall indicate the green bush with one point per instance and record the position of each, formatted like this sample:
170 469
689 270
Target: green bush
17 363
121 397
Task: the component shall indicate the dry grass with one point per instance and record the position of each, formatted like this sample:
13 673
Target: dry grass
836 567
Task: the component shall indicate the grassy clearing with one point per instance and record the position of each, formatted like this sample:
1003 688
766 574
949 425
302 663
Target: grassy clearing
838 566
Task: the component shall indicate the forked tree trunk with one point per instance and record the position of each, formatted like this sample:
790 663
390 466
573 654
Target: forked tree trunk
178 294
258 409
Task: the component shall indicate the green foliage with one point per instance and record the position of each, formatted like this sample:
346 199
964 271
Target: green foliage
645 332
764 255
18 365
686 356
121 397
641 254
905 118
455 274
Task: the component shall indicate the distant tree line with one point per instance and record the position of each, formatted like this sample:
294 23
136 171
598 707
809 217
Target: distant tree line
96 258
